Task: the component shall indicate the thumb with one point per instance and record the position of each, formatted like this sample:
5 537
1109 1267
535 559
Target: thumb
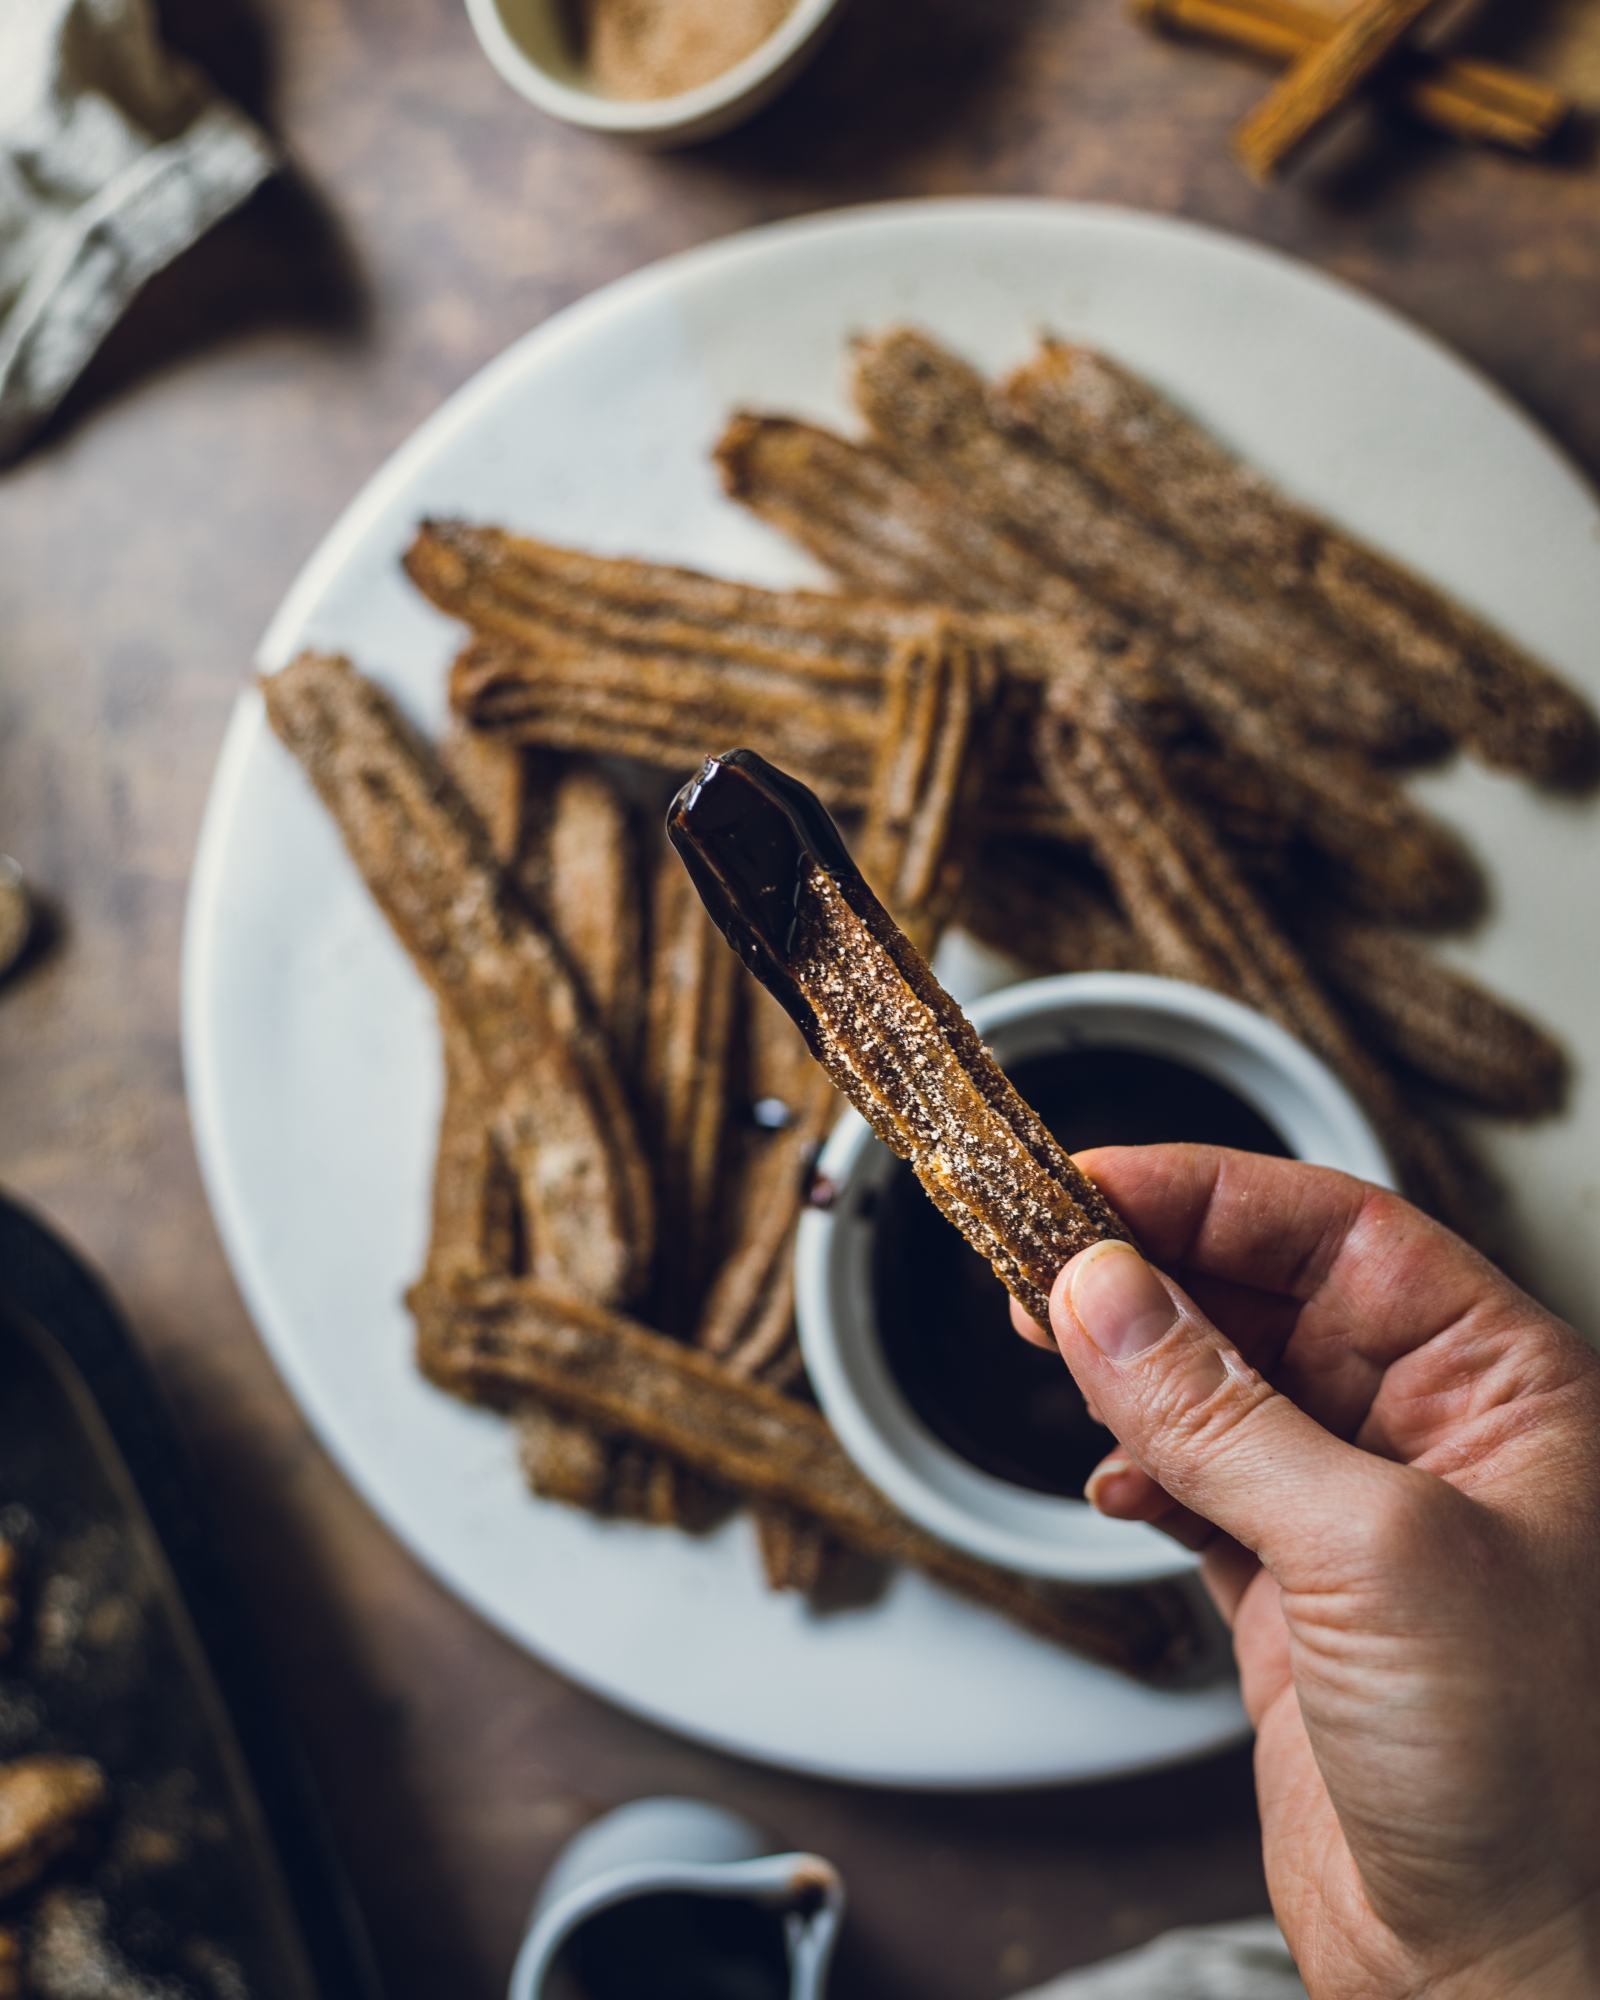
1190 1410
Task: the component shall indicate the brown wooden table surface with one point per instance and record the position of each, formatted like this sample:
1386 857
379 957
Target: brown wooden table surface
427 218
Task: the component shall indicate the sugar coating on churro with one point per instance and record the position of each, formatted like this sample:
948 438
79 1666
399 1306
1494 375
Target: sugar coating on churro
634 684
499 1339
1042 905
511 583
584 870
931 767
560 1113
686 1087
1394 860
892 1057
782 887
1472 682
476 1224
1442 1023
931 412
930 762
1201 920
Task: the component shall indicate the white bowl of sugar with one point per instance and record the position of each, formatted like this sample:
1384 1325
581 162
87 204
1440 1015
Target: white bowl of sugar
651 72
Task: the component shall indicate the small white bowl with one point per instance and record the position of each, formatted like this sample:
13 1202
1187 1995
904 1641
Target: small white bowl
1298 1095
525 41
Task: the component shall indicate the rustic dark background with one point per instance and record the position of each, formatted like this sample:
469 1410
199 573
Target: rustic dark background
428 217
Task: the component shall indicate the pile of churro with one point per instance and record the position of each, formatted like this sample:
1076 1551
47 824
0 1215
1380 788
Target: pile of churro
1089 687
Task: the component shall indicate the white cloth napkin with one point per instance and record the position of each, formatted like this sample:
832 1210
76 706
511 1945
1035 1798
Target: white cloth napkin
115 155
1242 1961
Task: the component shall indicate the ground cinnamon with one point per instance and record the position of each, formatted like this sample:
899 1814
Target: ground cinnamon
658 48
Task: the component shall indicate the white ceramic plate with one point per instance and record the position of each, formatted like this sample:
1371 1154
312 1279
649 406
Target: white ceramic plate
312 1055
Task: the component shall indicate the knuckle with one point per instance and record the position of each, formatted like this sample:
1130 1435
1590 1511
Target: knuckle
1414 1521
1383 1210
1206 1405
1383 1217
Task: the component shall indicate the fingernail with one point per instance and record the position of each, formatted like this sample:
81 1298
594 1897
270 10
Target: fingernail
1112 1485
1119 1301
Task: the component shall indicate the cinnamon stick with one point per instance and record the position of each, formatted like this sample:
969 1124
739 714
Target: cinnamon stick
1480 102
1323 81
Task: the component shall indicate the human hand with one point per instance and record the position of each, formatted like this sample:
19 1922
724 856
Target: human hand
1389 1459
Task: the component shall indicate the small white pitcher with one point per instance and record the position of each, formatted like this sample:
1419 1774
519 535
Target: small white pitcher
678 1847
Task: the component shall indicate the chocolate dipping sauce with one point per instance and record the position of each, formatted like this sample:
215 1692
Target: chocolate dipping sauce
676 1946
943 1318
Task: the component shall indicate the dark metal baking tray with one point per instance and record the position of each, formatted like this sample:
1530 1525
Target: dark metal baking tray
213 1876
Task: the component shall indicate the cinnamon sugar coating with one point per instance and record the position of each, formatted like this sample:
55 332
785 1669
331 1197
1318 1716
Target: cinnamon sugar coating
501 1337
559 1110
1472 683
780 884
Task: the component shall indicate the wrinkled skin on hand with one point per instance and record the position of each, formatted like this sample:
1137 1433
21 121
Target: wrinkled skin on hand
1389 1459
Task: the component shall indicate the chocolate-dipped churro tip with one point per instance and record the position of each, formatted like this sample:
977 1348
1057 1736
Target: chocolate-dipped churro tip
781 886
750 835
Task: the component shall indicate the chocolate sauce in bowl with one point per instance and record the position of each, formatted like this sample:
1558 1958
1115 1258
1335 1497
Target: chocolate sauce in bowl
676 1945
943 1318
